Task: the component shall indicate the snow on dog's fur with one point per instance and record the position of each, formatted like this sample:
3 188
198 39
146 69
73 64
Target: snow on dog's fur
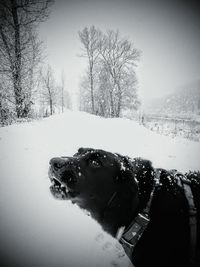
114 188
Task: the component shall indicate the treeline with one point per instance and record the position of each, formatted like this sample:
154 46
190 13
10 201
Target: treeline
27 84
110 84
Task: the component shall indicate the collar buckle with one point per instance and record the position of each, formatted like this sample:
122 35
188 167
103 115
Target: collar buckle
132 235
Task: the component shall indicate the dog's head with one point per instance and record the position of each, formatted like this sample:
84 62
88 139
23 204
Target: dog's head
101 182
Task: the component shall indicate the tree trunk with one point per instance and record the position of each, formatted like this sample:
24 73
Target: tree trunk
102 109
62 100
92 90
112 113
17 63
119 101
51 106
19 101
1 115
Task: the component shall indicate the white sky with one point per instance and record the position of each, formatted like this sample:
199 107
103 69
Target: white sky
167 33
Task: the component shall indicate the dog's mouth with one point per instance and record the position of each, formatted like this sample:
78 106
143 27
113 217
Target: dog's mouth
60 189
57 184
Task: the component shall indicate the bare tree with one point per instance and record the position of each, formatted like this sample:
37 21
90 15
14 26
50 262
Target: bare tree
62 91
67 100
18 21
84 94
111 75
130 99
119 57
90 37
103 92
49 92
63 96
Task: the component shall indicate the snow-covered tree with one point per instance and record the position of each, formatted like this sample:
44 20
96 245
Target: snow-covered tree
84 94
20 50
90 38
49 93
119 56
113 60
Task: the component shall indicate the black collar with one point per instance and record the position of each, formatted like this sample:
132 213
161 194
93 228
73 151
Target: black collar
130 236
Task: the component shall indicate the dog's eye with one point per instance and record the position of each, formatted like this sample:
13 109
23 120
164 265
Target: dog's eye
57 165
95 163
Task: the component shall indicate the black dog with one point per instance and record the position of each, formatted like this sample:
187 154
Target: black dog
115 189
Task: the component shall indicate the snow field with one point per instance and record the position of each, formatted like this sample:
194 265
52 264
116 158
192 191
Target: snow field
36 229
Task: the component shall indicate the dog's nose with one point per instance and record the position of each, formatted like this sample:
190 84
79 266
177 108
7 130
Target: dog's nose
57 163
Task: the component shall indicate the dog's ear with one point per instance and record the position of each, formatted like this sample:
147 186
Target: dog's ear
83 150
125 169
143 169
144 174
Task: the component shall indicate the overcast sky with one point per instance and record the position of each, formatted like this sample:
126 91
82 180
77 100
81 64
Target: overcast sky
167 33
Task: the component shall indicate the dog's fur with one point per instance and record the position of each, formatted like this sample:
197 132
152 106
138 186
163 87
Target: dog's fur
114 189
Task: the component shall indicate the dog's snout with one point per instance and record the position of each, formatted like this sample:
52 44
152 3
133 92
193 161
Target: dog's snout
57 163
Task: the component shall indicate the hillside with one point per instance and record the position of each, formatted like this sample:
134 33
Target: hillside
184 103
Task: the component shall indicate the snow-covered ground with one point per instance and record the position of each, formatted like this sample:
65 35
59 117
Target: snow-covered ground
38 230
